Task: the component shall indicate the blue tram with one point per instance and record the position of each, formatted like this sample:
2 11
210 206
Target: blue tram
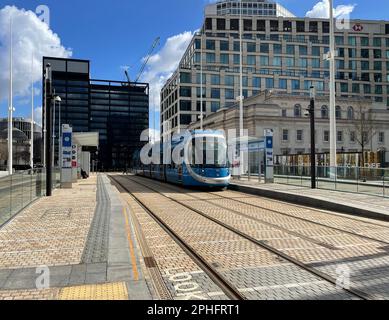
200 167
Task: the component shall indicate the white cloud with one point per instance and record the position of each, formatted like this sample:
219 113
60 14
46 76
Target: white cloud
162 65
32 39
322 8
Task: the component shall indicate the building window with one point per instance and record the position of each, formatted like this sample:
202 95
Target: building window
381 137
215 93
340 136
215 79
285 135
287 26
198 78
229 93
352 41
283 84
248 25
344 87
185 92
264 60
316 63
377 54
377 42
215 106
324 112
256 82
210 58
313 26
229 81
210 45
277 61
269 83
352 136
350 113
299 135
224 45
251 60
326 27
290 49
316 51
251 47
303 50
185 105
289 62
296 84
208 24
300 26
185 119
185 77
236 46
236 59
273 25
277 49
221 24
326 136
264 48
198 92
261 25
297 111
234 24
338 112
284 113
224 58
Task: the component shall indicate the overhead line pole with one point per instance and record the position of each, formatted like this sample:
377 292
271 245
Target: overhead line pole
32 114
10 107
241 90
332 85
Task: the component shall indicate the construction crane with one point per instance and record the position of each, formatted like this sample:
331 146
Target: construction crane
142 69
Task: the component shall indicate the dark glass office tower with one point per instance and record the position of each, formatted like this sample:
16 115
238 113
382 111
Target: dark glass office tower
117 110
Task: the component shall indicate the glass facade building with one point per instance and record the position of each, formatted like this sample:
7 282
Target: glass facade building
118 111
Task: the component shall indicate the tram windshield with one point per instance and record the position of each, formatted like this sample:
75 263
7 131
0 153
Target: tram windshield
208 152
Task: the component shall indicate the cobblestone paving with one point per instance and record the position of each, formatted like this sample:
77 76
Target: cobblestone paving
364 262
182 277
50 232
235 257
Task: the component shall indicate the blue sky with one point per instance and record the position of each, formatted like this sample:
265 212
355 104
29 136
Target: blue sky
120 32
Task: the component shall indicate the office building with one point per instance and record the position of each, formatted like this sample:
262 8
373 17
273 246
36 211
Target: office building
285 114
280 52
117 110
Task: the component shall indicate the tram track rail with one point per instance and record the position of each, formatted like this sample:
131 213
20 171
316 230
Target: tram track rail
225 285
323 244
353 291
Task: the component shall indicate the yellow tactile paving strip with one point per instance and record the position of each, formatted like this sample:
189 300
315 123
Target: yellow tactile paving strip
108 291
52 231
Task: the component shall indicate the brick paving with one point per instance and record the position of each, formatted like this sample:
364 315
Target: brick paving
235 258
75 234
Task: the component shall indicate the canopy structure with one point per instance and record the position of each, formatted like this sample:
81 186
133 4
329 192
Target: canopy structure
86 139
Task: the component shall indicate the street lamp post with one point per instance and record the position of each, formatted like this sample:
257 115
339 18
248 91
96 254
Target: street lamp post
311 111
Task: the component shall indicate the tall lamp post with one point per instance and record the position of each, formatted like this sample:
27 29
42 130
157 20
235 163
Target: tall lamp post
311 112
10 107
57 99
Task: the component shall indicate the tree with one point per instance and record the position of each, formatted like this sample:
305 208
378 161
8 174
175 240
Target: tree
363 127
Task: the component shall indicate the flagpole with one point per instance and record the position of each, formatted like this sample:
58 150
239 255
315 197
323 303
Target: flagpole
32 113
10 107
